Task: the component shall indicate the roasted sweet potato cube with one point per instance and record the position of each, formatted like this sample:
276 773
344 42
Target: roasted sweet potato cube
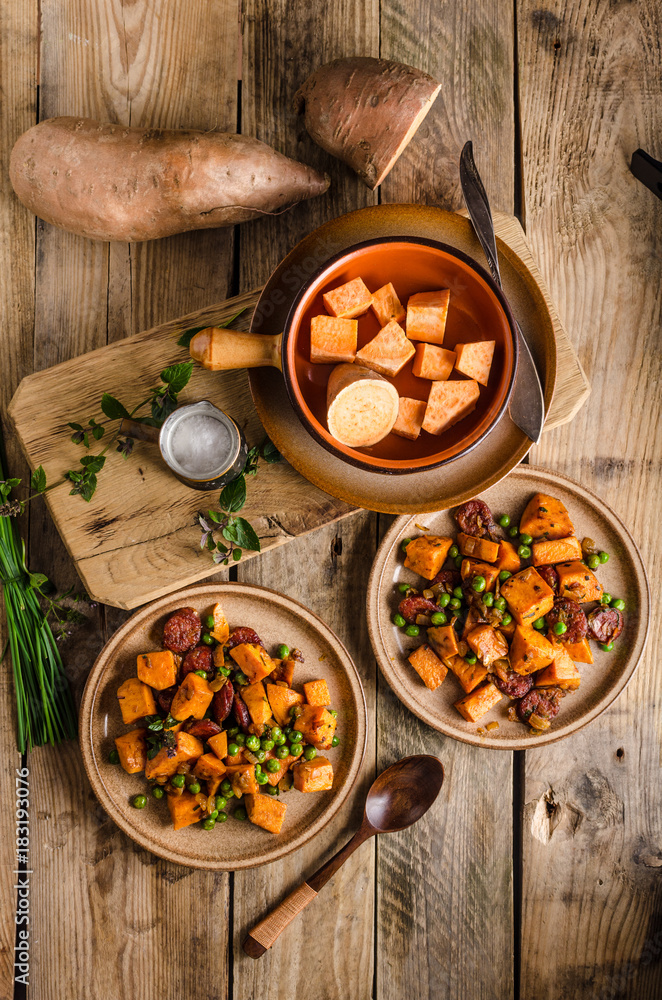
508 559
545 517
219 744
236 760
473 620
432 362
266 812
388 352
471 568
528 596
478 548
488 644
426 316
317 726
475 360
470 675
283 671
428 666
449 402
387 306
578 582
333 340
253 660
258 707
556 550
410 418
221 629
159 669
509 629
443 639
561 672
529 650
317 693
185 809
580 651
243 780
427 554
282 699
132 748
136 700
192 698
208 767
313 775
187 748
348 300
475 705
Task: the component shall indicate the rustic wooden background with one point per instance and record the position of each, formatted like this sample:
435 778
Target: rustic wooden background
537 874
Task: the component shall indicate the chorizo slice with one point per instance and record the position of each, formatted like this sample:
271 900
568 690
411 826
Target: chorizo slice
448 579
204 729
550 576
241 713
164 698
410 607
475 518
198 658
605 624
182 630
222 701
567 612
242 634
512 684
544 703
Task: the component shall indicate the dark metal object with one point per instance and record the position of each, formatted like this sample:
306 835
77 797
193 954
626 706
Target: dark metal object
527 403
647 170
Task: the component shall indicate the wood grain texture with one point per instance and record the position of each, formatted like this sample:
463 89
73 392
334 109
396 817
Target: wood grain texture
441 883
590 84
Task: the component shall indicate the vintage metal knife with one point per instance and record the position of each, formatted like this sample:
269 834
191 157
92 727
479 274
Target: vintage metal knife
527 404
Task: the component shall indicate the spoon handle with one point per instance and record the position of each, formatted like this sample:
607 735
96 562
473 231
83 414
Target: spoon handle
263 935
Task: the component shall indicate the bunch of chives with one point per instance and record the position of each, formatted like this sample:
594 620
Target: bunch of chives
44 704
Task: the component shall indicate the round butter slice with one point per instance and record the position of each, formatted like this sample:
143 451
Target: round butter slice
362 406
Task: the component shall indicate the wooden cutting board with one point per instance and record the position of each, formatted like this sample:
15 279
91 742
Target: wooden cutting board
137 540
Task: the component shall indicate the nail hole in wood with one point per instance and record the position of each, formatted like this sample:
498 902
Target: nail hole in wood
620 753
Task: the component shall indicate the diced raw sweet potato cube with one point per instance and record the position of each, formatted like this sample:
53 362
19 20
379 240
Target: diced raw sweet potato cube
332 340
426 316
470 675
317 693
132 748
561 672
545 517
348 300
243 780
209 767
449 402
471 568
578 582
253 660
479 548
274 777
488 644
166 761
410 418
427 554
266 812
433 362
529 597
159 669
258 707
221 629
443 639
508 559
556 550
136 700
282 699
313 775
185 809
387 306
219 744
317 726
475 360
529 650
475 705
580 651
192 698
283 671
428 666
388 352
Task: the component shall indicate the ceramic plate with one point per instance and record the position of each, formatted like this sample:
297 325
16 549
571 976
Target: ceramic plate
232 845
499 452
601 682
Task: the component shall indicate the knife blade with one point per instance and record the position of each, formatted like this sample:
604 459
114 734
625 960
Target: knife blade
527 403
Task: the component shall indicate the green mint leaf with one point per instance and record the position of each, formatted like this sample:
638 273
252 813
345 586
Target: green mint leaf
233 496
76 427
236 554
112 407
242 533
271 453
252 459
213 516
177 376
37 580
93 463
188 335
85 488
98 432
38 480
162 407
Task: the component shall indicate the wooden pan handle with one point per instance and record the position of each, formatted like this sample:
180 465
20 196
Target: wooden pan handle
221 350
265 933
143 432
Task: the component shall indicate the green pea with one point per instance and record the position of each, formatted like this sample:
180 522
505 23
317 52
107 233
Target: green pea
295 711
560 628
178 780
618 604
506 620
524 552
280 739
261 778
458 561
504 575
257 767
398 620
478 584
201 673
455 603
252 743
593 562
241 678
514 531
224 670
605 599
220 802
233 749
310 753
282 752
271 790
296 737
404 587
607 646
233 731
209 823
296 749
226 787
222 817
139 801
194 788
458 592
471 658
240 813
603 557
438 618
412 630
276 732
261 755
453 552
504 521
333 712
539 623
488 600
335 741
283 652
240 739
213 814
443 600
525 539
207 639
210 622
229 794
266 744
113 757
404 543
158 792
500 603
272 766
287 731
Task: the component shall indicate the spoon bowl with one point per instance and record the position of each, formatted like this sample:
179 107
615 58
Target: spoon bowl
403 793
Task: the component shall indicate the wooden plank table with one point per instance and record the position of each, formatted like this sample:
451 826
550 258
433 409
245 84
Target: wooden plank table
535 874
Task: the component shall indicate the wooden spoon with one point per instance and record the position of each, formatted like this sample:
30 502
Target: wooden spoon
397 798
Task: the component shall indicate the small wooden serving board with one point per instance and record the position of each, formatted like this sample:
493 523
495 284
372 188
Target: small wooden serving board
137 539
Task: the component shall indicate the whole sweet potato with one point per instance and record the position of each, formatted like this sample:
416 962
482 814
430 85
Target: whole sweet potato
113 182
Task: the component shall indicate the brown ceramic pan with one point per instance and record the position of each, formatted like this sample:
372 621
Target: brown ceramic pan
477 311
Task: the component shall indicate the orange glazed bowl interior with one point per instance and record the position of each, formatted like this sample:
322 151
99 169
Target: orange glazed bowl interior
477 311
